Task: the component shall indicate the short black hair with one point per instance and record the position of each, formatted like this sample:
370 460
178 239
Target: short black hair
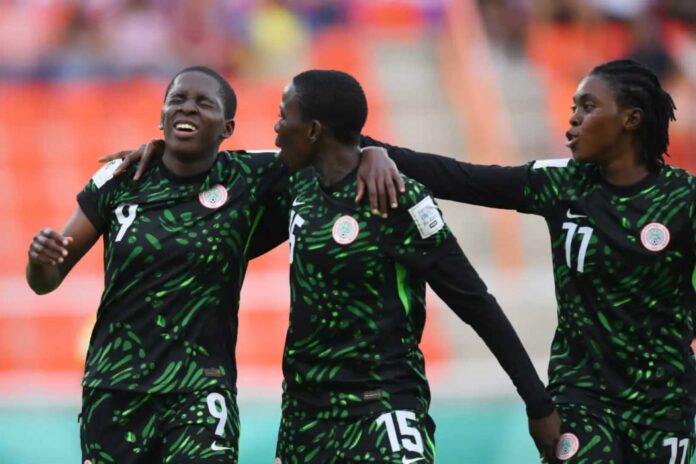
637 86
335 99
229 98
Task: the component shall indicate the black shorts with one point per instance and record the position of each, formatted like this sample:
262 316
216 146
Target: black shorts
398 437
132 427
589 436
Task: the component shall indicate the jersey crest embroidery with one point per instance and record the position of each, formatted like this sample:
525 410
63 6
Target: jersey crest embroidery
345 230
427 217
654 236
568 445
214 197
106 173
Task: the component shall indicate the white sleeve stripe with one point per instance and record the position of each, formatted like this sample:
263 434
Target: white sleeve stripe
106 173
551 163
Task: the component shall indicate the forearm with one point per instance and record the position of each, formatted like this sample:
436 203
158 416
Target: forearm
449 179
459 286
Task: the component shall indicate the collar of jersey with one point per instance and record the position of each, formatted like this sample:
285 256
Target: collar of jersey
194 179
630 190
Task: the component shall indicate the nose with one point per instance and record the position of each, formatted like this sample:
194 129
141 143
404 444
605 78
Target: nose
188 106
276 126
575 119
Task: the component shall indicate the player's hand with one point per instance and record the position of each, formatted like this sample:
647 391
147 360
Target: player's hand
378 174
546 432
145 154
48 247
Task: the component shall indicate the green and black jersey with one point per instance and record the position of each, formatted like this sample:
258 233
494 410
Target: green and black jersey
175 254
623 260
358 303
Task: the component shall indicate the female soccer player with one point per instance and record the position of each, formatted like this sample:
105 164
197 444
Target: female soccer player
355 388
623 237
159 383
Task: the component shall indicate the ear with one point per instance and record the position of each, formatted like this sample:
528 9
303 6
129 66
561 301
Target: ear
632 118
229 129
314 130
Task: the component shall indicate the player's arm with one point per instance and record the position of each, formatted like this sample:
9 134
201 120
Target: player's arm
416 236
52 255
458 284
449 179
378 180
271 229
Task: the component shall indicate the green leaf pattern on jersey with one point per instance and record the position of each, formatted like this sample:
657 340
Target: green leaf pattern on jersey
167 317
357 312
625 314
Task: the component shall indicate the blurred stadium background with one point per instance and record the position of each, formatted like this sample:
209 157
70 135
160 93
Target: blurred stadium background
488 81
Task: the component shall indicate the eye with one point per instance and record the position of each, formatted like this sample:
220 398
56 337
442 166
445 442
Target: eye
588 106
206 103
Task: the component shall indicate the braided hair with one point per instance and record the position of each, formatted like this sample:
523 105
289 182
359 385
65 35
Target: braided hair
637 86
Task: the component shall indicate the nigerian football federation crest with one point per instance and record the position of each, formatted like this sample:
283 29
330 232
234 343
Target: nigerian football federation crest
214 197
654 236
345 230
568 445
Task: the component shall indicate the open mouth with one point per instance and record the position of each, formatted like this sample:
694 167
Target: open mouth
572 140
185 129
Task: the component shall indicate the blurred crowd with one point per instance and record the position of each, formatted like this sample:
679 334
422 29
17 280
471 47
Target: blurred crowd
645 22
565 39
77 38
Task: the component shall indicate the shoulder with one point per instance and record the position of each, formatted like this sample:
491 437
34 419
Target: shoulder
252 159
414 193
561 166
103 179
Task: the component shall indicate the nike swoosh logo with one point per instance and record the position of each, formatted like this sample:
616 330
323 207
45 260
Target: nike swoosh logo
216 447
574 216
297 203
410 461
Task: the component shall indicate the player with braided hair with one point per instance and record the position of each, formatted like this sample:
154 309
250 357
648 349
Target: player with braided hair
623 238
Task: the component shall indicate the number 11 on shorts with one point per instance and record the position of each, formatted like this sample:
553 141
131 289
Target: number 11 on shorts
400 433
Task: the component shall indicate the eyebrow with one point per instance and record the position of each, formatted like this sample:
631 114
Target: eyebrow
583 96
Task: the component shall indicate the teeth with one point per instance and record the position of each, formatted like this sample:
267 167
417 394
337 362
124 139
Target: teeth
185 126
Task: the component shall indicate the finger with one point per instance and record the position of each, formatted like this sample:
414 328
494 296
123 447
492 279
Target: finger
45 254
372 195
382 197
50 245
113 156
148 153
398 180
41 259
361 190
391 193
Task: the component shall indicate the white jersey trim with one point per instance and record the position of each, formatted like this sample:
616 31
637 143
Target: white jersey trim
106 173
551 163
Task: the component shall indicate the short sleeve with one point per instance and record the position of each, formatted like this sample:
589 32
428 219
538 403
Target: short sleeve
415 233
93 199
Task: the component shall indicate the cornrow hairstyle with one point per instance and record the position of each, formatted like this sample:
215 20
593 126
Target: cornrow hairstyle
229 98
637 86
335 99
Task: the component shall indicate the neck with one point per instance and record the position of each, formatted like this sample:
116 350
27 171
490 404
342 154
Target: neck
184 165
624 170
335 161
